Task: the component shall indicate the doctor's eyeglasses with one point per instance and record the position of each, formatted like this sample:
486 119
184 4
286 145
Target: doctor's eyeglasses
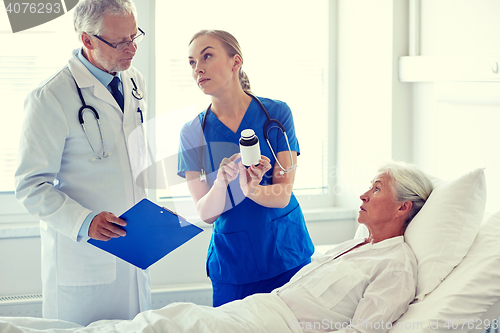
123 45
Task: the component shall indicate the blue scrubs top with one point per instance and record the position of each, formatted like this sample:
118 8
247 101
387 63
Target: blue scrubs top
249 242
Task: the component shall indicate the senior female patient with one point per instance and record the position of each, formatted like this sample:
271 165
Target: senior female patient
259 238
362 285
366 283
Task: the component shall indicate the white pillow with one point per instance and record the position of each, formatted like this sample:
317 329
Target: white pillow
443 231
459 302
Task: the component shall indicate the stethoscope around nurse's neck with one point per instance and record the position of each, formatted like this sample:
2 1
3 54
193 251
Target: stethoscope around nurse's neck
136 92
266 129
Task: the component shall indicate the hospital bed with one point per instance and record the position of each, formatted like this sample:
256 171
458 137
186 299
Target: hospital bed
457 247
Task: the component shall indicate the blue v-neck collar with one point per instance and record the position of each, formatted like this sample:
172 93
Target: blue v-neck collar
245 123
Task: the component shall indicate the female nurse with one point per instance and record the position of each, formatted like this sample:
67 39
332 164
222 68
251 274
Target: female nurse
259 238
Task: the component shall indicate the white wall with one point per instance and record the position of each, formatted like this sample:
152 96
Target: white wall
374 116
459 27
456 120
446 128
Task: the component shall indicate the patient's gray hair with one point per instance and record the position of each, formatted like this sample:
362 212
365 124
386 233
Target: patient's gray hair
409 183
88 14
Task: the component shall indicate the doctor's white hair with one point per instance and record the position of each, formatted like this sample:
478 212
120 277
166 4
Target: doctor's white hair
409 183
88 15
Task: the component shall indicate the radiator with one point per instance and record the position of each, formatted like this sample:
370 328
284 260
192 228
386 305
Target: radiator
31 305
21 306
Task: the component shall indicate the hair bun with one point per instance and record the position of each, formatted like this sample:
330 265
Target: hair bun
244 81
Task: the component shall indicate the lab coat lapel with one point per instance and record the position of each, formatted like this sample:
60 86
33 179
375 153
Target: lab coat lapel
85 79
127 90
103 93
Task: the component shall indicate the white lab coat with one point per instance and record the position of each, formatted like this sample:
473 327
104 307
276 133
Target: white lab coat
59 181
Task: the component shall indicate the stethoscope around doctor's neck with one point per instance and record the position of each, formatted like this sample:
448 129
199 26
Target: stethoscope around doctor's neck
136 92
266 129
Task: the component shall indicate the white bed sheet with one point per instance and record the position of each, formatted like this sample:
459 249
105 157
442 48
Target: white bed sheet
262 313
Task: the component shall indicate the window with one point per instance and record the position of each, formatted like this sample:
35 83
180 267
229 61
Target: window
285 46
286 50
26 59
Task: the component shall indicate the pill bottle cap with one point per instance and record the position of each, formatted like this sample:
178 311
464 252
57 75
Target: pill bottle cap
247 134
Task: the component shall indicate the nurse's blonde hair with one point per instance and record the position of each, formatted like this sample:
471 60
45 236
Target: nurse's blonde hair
232 48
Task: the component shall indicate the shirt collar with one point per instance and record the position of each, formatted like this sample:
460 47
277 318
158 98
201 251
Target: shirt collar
102 76
388 242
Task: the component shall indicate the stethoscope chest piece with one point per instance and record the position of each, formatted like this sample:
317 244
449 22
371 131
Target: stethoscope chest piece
136 92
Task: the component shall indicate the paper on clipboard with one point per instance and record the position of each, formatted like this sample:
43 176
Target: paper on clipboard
152 233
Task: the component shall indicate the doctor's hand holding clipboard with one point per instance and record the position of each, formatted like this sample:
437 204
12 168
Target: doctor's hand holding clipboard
153 232
105 226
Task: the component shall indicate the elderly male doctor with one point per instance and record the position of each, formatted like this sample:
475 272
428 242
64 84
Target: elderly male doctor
76 182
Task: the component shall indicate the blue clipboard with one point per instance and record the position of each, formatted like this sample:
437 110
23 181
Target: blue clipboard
152 233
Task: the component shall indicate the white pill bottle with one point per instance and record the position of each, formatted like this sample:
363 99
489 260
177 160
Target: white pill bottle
249 148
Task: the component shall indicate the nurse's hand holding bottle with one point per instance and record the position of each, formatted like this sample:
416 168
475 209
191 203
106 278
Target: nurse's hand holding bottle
210 200
277 194
251 177
228 171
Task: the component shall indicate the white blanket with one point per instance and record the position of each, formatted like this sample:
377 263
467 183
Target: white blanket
260 313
